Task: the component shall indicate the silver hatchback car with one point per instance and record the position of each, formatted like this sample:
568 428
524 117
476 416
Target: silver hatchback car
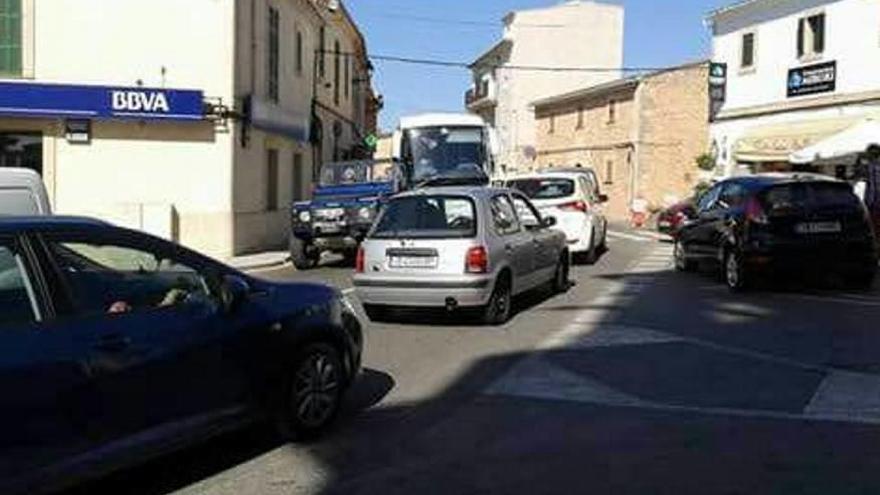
459 247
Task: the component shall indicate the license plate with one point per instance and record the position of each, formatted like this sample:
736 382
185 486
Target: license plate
327 228
413 262
818 228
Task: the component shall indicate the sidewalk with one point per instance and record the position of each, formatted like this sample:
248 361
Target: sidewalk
260 261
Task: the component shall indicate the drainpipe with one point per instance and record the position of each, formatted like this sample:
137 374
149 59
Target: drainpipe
636 139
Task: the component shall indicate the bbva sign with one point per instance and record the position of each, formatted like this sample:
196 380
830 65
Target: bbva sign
140 101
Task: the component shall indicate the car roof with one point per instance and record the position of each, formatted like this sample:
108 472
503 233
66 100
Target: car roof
472 191
775 178
563 174
441 119
16 224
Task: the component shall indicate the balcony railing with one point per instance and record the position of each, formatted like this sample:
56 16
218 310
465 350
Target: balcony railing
476 96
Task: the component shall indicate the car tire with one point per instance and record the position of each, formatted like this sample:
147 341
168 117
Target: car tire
591 255
682 264
312 393
299 254
561 281
498 311
736 277
376 313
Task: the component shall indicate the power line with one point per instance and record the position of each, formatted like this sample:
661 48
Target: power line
535 68
460 22
467 65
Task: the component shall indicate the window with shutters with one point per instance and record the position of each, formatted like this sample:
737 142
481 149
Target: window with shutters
811 36
10 38
273 60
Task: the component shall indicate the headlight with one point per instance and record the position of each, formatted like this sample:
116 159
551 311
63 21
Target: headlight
346 305
365 213
305 216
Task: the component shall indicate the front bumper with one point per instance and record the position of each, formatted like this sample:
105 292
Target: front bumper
427 292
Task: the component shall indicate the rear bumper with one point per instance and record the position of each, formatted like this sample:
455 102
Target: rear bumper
806 260
466 292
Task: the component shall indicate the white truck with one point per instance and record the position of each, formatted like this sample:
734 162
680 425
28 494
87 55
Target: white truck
444 149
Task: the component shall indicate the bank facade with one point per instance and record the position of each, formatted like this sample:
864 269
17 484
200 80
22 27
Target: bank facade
196 124
798 72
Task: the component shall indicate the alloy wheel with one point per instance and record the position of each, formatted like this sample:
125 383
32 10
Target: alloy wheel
315 390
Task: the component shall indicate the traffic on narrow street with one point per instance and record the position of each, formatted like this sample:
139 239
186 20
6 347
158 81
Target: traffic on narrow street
266 247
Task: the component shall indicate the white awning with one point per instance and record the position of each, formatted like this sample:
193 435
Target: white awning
844 144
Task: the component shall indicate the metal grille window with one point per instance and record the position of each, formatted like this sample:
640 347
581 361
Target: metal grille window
299 52
347 76
271 180
336 72
10 38
273 61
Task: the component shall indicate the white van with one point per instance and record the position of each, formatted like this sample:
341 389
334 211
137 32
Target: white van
22 193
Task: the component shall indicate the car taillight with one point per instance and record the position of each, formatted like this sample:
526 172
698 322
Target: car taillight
581 206
477 260
359 260
755 212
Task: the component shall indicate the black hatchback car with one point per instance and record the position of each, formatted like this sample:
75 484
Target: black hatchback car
780 223
116 346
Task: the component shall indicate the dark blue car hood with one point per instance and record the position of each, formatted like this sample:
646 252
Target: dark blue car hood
350 194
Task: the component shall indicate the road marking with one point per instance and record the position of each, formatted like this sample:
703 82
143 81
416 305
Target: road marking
841 396
632 237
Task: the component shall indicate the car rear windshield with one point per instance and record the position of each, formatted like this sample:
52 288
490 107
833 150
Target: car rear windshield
793 197
427 217
544 188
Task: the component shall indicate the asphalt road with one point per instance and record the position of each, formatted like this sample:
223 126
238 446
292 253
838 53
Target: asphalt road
639 379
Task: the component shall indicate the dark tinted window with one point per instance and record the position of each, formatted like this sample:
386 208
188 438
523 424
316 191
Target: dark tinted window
733 195
785 198
417 217
834 195
16 303
544 188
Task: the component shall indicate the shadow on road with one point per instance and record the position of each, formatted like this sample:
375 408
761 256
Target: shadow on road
536 422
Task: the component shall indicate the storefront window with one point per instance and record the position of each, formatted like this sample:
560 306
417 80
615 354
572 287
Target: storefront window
10 37
24 150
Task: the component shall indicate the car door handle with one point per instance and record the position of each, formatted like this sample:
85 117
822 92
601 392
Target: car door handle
112 343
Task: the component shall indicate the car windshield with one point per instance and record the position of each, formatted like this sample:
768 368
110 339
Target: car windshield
334 174
427 217
446 152
538 188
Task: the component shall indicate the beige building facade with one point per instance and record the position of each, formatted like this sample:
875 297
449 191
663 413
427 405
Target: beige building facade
203 134
641 135
533 60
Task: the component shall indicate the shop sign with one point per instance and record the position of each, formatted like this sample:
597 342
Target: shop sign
99 102
717 88
812 79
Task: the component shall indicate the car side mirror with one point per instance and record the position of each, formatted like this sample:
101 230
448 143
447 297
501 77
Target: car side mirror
548 222
234 291
603 198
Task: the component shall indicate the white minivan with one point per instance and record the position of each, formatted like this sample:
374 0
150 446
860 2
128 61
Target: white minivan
22 193
573 201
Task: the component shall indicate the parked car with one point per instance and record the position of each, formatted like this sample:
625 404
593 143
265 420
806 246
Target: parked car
22 192
569 197
670 220
780 223
341 211
459 247
116 346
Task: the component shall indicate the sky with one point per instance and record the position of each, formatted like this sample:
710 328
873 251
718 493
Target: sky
657 33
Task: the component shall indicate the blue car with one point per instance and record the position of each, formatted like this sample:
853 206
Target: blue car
116 346
341 212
